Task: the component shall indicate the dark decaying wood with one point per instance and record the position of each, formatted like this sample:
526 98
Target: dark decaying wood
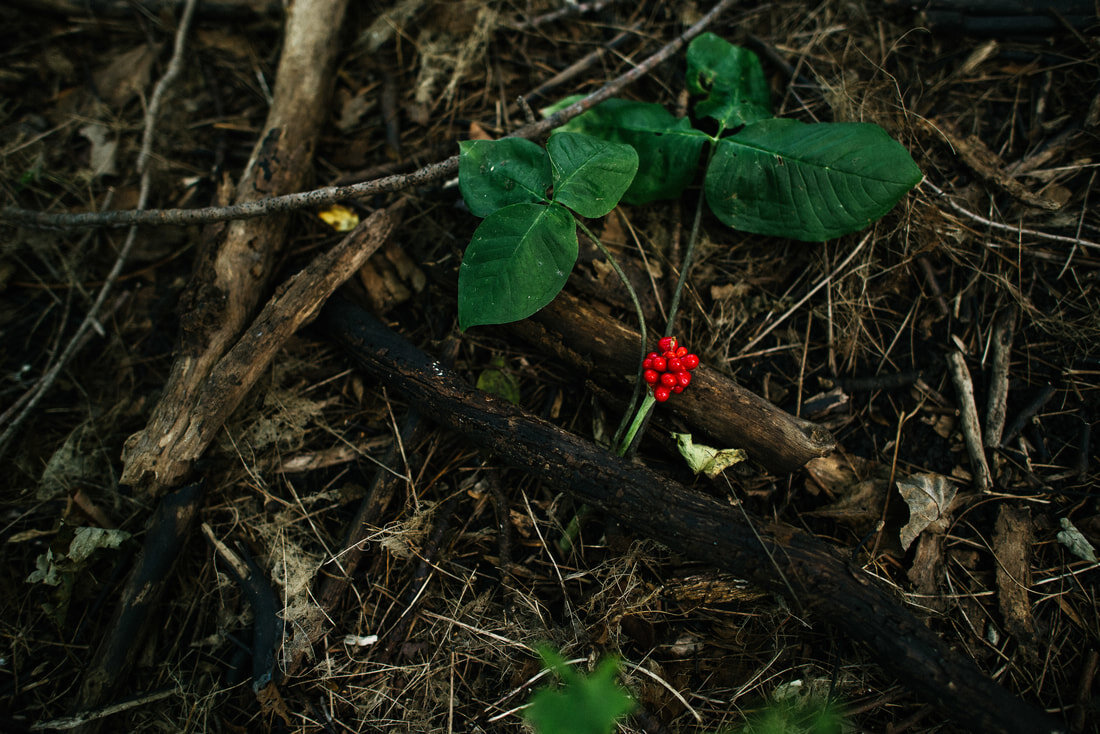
235 270
168 529
729 414
778 557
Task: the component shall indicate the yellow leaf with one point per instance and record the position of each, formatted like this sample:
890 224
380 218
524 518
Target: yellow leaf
340 218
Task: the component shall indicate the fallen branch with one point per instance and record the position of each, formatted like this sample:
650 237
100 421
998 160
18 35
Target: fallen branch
165 460
238 262
823 582
735 417
268 205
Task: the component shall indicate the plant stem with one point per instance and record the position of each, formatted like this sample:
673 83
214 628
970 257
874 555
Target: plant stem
639 418
685 266
641 327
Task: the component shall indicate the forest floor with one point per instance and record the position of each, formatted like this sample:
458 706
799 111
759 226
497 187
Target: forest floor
993 258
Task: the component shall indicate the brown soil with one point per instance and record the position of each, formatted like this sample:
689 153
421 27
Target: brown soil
460 575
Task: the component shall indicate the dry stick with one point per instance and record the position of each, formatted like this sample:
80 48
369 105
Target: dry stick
998 377
573 330
693 524
825 281
168 529
1008 227
330 194
296 304
175 66
238 260
85 717
968 419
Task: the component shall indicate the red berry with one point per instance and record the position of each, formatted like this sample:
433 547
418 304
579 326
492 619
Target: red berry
690 361
675 365
669 380
647 363
669 354
661 394
651 376
659 364
681 351
652 355
678 389
684 378
666 343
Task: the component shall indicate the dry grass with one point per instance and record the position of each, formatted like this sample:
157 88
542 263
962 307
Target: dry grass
462 579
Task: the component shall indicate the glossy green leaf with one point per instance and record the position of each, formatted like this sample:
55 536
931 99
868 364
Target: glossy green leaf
518 259
584 705
668 147
731 77
495 173
807 181
590 175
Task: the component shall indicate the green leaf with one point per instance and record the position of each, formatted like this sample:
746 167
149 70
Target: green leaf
495 173
668 147
590 175
731 77
807 181
584 705
499 382
705 459
518 259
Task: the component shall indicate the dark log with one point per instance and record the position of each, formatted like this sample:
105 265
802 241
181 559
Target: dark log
731 415
168 529
816 578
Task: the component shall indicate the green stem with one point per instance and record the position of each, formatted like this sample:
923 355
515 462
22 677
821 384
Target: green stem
689 252
641 327
639 418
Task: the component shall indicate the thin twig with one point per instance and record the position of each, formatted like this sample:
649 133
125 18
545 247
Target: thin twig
1008 227
330 194
175 67
809 295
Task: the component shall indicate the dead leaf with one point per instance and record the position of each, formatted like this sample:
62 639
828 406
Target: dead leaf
340 218
1078 545
929 497
707 459
126 76
104 148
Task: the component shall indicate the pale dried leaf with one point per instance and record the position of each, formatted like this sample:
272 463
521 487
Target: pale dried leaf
929 497
1078 545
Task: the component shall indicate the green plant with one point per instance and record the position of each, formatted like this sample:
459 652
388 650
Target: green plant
768 176
584 704
522 253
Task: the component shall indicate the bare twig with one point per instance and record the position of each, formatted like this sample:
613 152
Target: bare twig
72 722
175 66
330 194
825 281
1008 227
1000 355
968 418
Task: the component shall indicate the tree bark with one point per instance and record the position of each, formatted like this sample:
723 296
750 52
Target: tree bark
237 266
733 416
778 557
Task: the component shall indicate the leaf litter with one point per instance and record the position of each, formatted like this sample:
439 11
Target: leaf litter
458 623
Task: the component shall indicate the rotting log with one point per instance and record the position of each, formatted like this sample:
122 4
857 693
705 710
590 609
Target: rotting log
815 577
732 415
238 260
168 530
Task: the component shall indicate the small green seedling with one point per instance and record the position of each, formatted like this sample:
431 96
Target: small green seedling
521 255
768 175
584 704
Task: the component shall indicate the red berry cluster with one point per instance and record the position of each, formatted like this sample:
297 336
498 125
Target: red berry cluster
668 371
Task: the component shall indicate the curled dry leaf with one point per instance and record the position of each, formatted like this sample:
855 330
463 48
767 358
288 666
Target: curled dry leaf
929 497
